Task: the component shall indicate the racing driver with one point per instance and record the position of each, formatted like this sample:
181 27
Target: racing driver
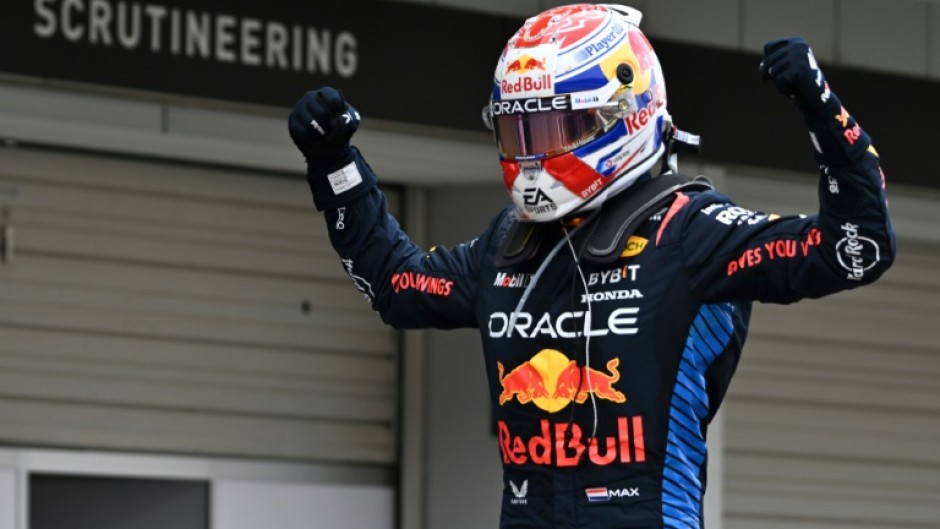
613 295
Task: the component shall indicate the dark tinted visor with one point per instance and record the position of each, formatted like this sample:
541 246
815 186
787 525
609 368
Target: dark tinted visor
540 134
544 133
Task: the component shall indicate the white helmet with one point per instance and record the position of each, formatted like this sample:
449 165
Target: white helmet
578 109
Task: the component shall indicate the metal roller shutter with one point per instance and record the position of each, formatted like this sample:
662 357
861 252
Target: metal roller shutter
833 421
161 308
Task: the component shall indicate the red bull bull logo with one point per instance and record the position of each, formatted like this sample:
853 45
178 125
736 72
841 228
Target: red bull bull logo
639 54
526 73
642 50
551 380
526 63
843 118
523 382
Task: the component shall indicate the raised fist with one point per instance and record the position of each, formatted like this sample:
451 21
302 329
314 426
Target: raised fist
321 124
790 65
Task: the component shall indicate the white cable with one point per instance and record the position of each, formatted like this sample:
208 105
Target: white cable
536 276
535 279
587 335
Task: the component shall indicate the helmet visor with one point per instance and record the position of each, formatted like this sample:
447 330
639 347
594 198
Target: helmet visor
535 135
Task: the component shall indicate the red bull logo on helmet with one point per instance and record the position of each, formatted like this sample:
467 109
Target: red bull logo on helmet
527 73
526 63
640 118
550 381
639 54
524 85
642 50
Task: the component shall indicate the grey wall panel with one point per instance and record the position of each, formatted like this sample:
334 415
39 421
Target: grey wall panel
833 420
160 308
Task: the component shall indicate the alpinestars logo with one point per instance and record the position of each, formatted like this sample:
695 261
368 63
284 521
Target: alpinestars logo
536 201
519 493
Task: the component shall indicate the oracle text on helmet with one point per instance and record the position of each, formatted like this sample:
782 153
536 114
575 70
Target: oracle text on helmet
531 105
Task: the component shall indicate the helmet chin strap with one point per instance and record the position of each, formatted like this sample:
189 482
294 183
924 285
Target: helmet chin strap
674 141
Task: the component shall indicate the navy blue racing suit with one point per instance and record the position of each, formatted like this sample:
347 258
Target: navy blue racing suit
604 380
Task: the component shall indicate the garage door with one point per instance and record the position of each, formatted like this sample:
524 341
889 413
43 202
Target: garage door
833 421
161 308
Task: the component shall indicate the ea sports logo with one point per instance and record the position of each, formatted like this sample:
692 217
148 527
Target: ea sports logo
534 196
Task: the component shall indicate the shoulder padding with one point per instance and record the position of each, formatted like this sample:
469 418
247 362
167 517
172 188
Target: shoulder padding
624 213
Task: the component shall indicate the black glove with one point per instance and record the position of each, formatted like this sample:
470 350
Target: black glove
321 125
790 65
